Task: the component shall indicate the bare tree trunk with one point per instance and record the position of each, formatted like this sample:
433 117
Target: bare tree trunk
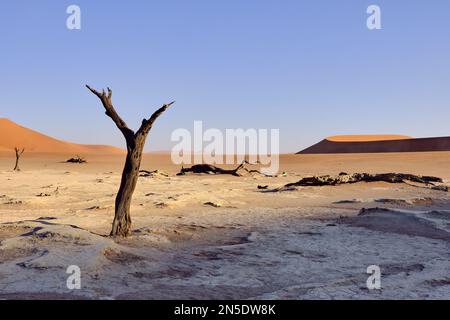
18 154
122 220
135 145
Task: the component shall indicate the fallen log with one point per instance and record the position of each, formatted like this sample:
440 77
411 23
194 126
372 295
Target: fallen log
344 178
210 169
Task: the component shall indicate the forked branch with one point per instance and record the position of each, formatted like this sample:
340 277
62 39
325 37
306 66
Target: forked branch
148 123
19 152
106 100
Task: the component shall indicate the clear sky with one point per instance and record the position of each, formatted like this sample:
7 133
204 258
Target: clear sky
310 68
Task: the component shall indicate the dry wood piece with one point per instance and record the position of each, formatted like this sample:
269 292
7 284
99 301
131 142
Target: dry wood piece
18 154
43 195
154 173
77 159
344 178
251 171
135 144
210 169
212 204
440 188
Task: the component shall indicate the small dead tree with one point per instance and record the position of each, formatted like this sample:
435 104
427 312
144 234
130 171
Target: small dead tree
18 154
135 144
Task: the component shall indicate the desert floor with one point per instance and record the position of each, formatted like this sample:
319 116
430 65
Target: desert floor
219 237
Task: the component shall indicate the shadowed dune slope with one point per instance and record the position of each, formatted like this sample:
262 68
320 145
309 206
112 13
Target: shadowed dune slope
13 135
377 144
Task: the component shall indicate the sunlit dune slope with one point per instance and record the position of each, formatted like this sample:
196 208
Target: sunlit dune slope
13 135
367 137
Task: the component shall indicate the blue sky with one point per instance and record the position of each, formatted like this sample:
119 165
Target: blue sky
310 68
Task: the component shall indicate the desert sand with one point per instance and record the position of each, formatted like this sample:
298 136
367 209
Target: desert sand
216 237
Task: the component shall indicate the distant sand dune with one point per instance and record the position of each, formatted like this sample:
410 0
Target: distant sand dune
13 135
377 144
367 137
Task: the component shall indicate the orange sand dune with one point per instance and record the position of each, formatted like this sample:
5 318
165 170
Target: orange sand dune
367 137
13 135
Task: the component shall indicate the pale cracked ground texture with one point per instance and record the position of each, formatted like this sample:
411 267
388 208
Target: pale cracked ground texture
308 243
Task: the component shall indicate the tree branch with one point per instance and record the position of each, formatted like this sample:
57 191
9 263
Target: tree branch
105 98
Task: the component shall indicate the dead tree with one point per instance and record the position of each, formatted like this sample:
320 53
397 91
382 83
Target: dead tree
135 144
18 154
76 159
344 178
210 169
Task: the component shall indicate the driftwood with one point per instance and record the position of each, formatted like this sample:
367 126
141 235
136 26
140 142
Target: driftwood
344 178
210 169
77 159
18 154
135 145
